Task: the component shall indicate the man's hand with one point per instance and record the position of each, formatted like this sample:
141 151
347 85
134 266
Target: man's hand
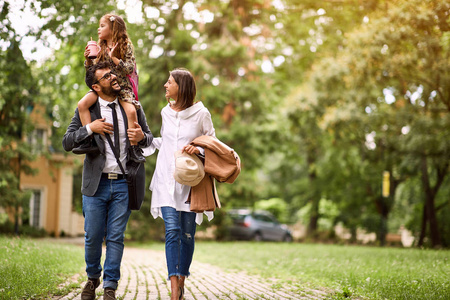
101 127
135 134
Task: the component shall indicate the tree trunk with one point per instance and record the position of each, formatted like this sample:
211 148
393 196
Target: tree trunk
314 217
384 206
383 229
423 227
431 216
315 193
16 221
17 206
383 211
429 204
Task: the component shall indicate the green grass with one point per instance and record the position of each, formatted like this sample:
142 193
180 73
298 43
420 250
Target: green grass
345 272
33 269
355 271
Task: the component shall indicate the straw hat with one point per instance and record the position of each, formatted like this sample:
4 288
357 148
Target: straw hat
189 170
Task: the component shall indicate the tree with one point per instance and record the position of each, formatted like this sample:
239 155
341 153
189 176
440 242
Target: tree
392 79
312 32
17 99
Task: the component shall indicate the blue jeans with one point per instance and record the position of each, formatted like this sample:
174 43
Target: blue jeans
105 217
180 232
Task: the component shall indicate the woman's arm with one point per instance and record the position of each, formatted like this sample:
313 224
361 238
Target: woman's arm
207 129
208 126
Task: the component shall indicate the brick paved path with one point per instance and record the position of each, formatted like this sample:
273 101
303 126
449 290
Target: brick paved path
144 276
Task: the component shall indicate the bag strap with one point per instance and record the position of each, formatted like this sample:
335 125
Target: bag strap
115 153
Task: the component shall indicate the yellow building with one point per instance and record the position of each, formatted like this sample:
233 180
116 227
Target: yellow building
52 186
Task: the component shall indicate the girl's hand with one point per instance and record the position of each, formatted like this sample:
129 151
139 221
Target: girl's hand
111 51
86 54
190 149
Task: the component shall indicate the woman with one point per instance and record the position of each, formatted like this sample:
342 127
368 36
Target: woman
182 121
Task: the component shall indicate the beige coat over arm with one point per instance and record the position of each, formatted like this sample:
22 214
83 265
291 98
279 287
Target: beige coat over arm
222 163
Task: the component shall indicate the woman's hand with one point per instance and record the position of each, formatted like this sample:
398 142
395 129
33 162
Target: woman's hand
189 149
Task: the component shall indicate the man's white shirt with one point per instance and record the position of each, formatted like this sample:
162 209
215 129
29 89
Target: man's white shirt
111 165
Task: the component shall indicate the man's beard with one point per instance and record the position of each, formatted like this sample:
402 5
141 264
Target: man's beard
110 91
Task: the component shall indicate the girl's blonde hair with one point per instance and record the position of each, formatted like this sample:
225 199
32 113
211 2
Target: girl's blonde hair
119 36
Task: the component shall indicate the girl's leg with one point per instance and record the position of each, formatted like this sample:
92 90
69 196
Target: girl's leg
130 110
135 152
83 107
85 116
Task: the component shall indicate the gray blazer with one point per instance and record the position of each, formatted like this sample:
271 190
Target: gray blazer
94 162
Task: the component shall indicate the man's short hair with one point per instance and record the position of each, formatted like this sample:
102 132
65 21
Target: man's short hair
90 73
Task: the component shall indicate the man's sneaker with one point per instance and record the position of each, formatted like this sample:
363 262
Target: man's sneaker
88 292
109 294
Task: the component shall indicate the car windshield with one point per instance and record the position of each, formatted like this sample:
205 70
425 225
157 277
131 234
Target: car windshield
237 217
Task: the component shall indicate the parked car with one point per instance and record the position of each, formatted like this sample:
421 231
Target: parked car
257 225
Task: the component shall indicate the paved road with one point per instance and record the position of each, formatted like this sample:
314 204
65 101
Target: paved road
144 278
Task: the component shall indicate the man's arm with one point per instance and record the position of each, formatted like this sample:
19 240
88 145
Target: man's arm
75 133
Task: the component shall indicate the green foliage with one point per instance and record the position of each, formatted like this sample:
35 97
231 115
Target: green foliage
352 129
18 92
276 206
8 229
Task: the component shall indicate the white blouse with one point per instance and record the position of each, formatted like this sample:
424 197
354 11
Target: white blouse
178 130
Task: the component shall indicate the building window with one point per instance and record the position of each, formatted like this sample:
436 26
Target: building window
37 139
35 208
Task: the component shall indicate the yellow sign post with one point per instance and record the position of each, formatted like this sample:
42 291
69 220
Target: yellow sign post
386 184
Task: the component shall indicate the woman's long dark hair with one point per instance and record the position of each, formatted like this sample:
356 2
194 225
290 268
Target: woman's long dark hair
186 88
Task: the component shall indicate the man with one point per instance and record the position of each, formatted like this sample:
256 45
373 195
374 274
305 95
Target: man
104 188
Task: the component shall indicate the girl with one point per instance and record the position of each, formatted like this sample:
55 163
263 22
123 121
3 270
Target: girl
182 122
117 49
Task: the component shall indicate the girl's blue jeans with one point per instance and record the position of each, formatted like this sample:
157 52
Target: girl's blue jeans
180 241
105 218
